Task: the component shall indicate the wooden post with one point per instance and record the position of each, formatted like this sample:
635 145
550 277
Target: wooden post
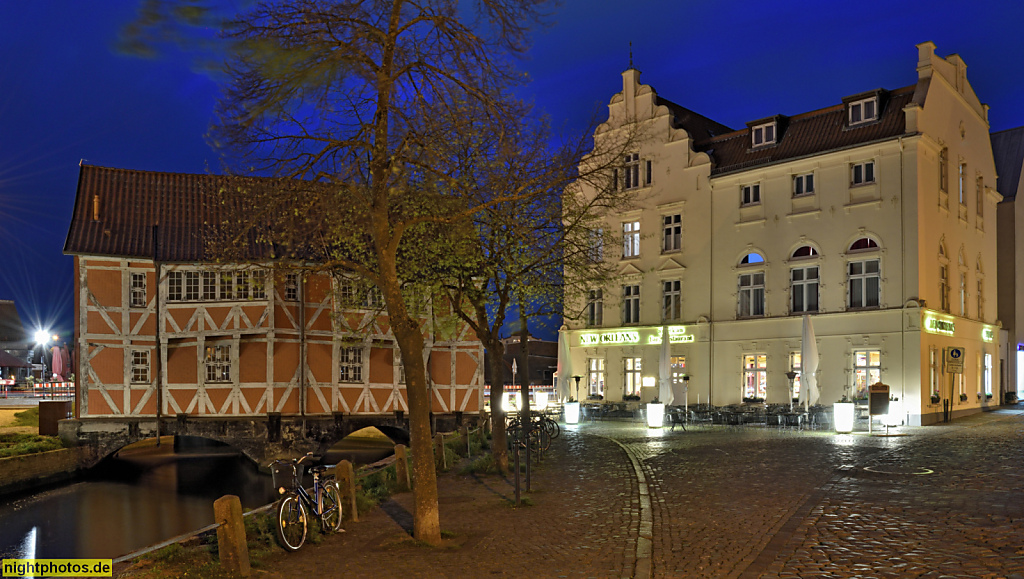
464 432
439 451
402 468
234 553
346 476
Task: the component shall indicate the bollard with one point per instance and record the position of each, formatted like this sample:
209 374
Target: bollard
402 468
439 451
346 476
231 546
464 432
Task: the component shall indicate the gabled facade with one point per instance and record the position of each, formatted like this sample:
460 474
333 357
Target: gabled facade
1008 149
876 217
164 330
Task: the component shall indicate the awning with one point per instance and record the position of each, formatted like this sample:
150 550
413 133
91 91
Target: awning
9 361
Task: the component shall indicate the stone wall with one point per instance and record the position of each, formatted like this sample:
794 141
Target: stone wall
18 473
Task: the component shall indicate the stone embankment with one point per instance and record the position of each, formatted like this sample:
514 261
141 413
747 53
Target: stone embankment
26 471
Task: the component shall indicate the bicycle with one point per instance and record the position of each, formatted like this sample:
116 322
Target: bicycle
291 512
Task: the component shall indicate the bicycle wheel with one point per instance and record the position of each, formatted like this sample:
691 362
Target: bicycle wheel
330 518
553 428
291 522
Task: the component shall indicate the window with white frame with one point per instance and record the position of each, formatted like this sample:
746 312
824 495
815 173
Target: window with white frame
631 380
804 289
803 184
672 234
137 295
595 307
226 289
291 287
750 194
631 304
671 309
751 294
934 371
988 375
944 288
242 285
140 366
867 370
962 187
963 293
218 363
863 111
631 239
595 376
864 284
259 284
374 297
762 135
795 365
755 376
175 282
209 285
631 170
350 364
862 173
596 247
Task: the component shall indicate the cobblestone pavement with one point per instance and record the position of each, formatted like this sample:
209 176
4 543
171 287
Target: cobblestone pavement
614 499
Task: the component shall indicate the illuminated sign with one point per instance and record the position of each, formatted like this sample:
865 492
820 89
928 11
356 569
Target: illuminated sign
988 334
676 335
937 326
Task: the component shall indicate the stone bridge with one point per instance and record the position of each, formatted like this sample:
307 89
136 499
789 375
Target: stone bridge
261 438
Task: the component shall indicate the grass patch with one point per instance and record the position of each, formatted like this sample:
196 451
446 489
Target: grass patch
376 488
482 465
12 444
28 417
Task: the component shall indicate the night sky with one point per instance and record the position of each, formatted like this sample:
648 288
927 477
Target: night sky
67 96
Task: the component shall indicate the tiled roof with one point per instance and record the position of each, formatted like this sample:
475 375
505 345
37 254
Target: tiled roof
698 126
115 211
11 328
1008 151
807 134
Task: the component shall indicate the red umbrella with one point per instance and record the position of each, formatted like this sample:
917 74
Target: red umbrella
57 363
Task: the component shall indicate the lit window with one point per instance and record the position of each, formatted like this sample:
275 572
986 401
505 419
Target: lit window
138 290
631 376
595 376
140 367
631 239
864 284
751 295
595 308
934 371
988 375
750 194
631 304
218 363
350 368
673 233
763 135
862 173
755 376
671 300
795 365
867 370
804 289
803 184
863 111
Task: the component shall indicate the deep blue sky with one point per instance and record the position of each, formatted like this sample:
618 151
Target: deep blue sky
65 95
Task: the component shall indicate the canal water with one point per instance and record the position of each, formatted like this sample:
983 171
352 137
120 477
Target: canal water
145 495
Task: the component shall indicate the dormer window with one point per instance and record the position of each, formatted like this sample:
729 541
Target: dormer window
863 111
762 135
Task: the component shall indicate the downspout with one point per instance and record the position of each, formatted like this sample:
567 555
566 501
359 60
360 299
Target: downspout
156 336
903 290
711 297
302 348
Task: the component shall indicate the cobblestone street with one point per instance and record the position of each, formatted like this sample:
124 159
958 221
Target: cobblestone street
614 499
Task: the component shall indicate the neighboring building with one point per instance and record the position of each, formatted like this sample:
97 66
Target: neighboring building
229 340
1008 150
15 345
876 217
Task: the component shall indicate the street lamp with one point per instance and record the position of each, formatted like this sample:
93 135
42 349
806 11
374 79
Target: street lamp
42 337
792 376
577 379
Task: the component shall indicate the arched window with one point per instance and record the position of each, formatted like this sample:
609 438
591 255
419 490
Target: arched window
862 244
804 251
752 257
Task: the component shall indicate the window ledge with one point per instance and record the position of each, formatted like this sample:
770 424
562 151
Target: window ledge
868 203
815 211
762 220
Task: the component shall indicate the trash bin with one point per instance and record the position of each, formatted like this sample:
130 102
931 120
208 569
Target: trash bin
51 412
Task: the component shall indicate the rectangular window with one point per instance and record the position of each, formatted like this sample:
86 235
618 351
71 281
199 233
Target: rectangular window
218 363
980 204
242 285
631 304
867 370
944 170
755 376
631 376
944 288
632 171
671 300
763 135
803 185
864 284
750 194
963 294
751 294
347 292
226 287
795 365
988 375
631 239
138 290
677 366
981 299
934 372
140 367
374 298
291 287
259 284
351 364
399 364
962 177
649 178
209 285
595 376
191 286
863 111
862 173
174 286
672 235
595 308
596 248
804 289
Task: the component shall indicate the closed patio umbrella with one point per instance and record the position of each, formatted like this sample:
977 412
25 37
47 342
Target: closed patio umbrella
56 364
564 365
808 365
665 394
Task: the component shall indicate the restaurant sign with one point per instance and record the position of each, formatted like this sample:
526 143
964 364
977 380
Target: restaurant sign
676 335
937 326
988 334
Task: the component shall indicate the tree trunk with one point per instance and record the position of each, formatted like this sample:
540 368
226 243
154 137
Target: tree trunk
499 436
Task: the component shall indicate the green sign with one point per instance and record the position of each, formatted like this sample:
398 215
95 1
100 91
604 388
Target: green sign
937 326
676 335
